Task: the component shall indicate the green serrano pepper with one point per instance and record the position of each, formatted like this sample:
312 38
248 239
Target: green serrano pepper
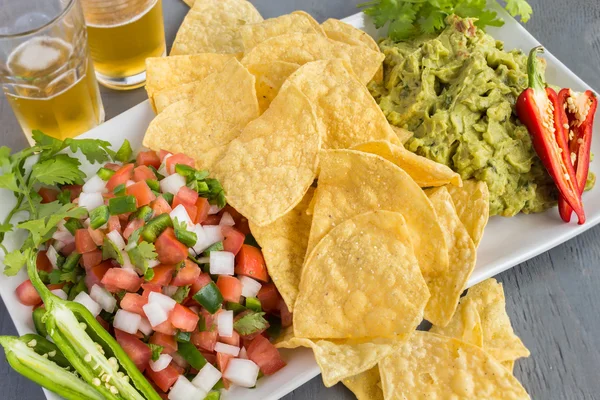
45 348
89 348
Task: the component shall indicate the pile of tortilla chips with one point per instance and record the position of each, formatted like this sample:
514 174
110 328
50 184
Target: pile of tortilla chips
362 238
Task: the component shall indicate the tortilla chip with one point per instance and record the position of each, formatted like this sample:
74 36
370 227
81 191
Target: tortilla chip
269 79
447 286
366 385
345 108
425 172
465 325
203 126
331 26
164 98
163 73
283 245
212 26
344 38
270 166
431 366
403 134
253 34
352 182
361 280
341 359
300 48
472 202
509 365
189 2
313 21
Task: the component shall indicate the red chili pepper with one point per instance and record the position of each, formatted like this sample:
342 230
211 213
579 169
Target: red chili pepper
545 118
580 109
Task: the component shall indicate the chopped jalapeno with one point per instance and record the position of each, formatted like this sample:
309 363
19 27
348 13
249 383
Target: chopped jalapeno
99 216
183 336
122 205
120 190
209 297
73 224
153 184
105 173
144 213
191 354
252 303
168 197
156 226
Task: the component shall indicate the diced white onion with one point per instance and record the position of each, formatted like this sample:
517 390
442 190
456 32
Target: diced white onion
222 263
163 362
172 184
213 234
214 209
64 237
184 390
61 226
180 213
179 360
103 298
155 313
163 166
60 293
145 327
127 264
153 263
87 222
116 238
94 185
243 353
225 323
52 255
207 377
250 287
227 219
203 260
84 299
169 290
127 321
129 183
165 302
201 239
91 201
227 349
241 372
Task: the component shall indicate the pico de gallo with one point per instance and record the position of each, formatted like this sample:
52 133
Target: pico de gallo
165 267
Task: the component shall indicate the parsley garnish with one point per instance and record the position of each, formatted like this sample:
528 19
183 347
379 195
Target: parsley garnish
251 323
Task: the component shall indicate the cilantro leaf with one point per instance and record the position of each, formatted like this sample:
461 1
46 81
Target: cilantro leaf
147 250
64 197
94 150
13 262
181 293
54 276
124 152
6 227
51 145
4 157
9 181
156 350
250 323
70 276
519 8
183 235
149 274
61 169
41 229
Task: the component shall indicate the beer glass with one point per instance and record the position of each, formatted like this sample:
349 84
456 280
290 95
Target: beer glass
45 69
121 35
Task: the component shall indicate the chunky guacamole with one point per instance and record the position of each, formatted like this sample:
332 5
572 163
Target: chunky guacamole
457 92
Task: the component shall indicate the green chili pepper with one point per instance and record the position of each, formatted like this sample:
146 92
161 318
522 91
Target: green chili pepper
71 262
191 354
119 190
122 205
213 247
183 336
213 395
105 173
99 216
209 297
78 288
38 321
153 184
144 213
235 307
45 348
45 372
158 176
73 224
168 197
252 303
155 227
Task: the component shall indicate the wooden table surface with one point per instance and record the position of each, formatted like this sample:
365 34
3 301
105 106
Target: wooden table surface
552 299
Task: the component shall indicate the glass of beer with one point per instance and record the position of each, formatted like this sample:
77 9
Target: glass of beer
121 35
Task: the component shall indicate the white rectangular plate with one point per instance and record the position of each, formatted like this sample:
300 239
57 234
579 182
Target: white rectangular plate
506 243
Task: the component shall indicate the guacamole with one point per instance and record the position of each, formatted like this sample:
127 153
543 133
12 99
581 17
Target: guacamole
457 92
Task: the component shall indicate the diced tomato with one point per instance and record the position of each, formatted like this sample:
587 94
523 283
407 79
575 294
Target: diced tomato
230 287
169 249
163 274
234 340
42 262
187 275
222 361
124 217
284 313
178 367
142 193
202 207
212 220
205 340
162 154
121 176
91 259
114 224
122 278
234 239
137 350
27 295
241 222
183 318
202 280
185 195
102 322
269 297
265 355
67 249
112 166
250 262
160 206
84 242
168 342
210 357
132 227
210 320
97 236
95 274
54 286
75 190
166 327
148 158
133 302
165 378
189 208
179 159
142 172
48 195
149 288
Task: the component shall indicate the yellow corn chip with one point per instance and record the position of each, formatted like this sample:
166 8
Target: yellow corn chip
472 202
300 48
361 280
212 26
431 366
269 79
270 166
334 25
202 126
366 385
424 171
283 244
509 365
465 325
313 21
345 108
254 34
166 97
403 134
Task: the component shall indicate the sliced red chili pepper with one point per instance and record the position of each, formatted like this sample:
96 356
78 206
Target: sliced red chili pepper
539 110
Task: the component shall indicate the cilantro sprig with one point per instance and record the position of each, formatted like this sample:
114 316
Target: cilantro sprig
408 18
